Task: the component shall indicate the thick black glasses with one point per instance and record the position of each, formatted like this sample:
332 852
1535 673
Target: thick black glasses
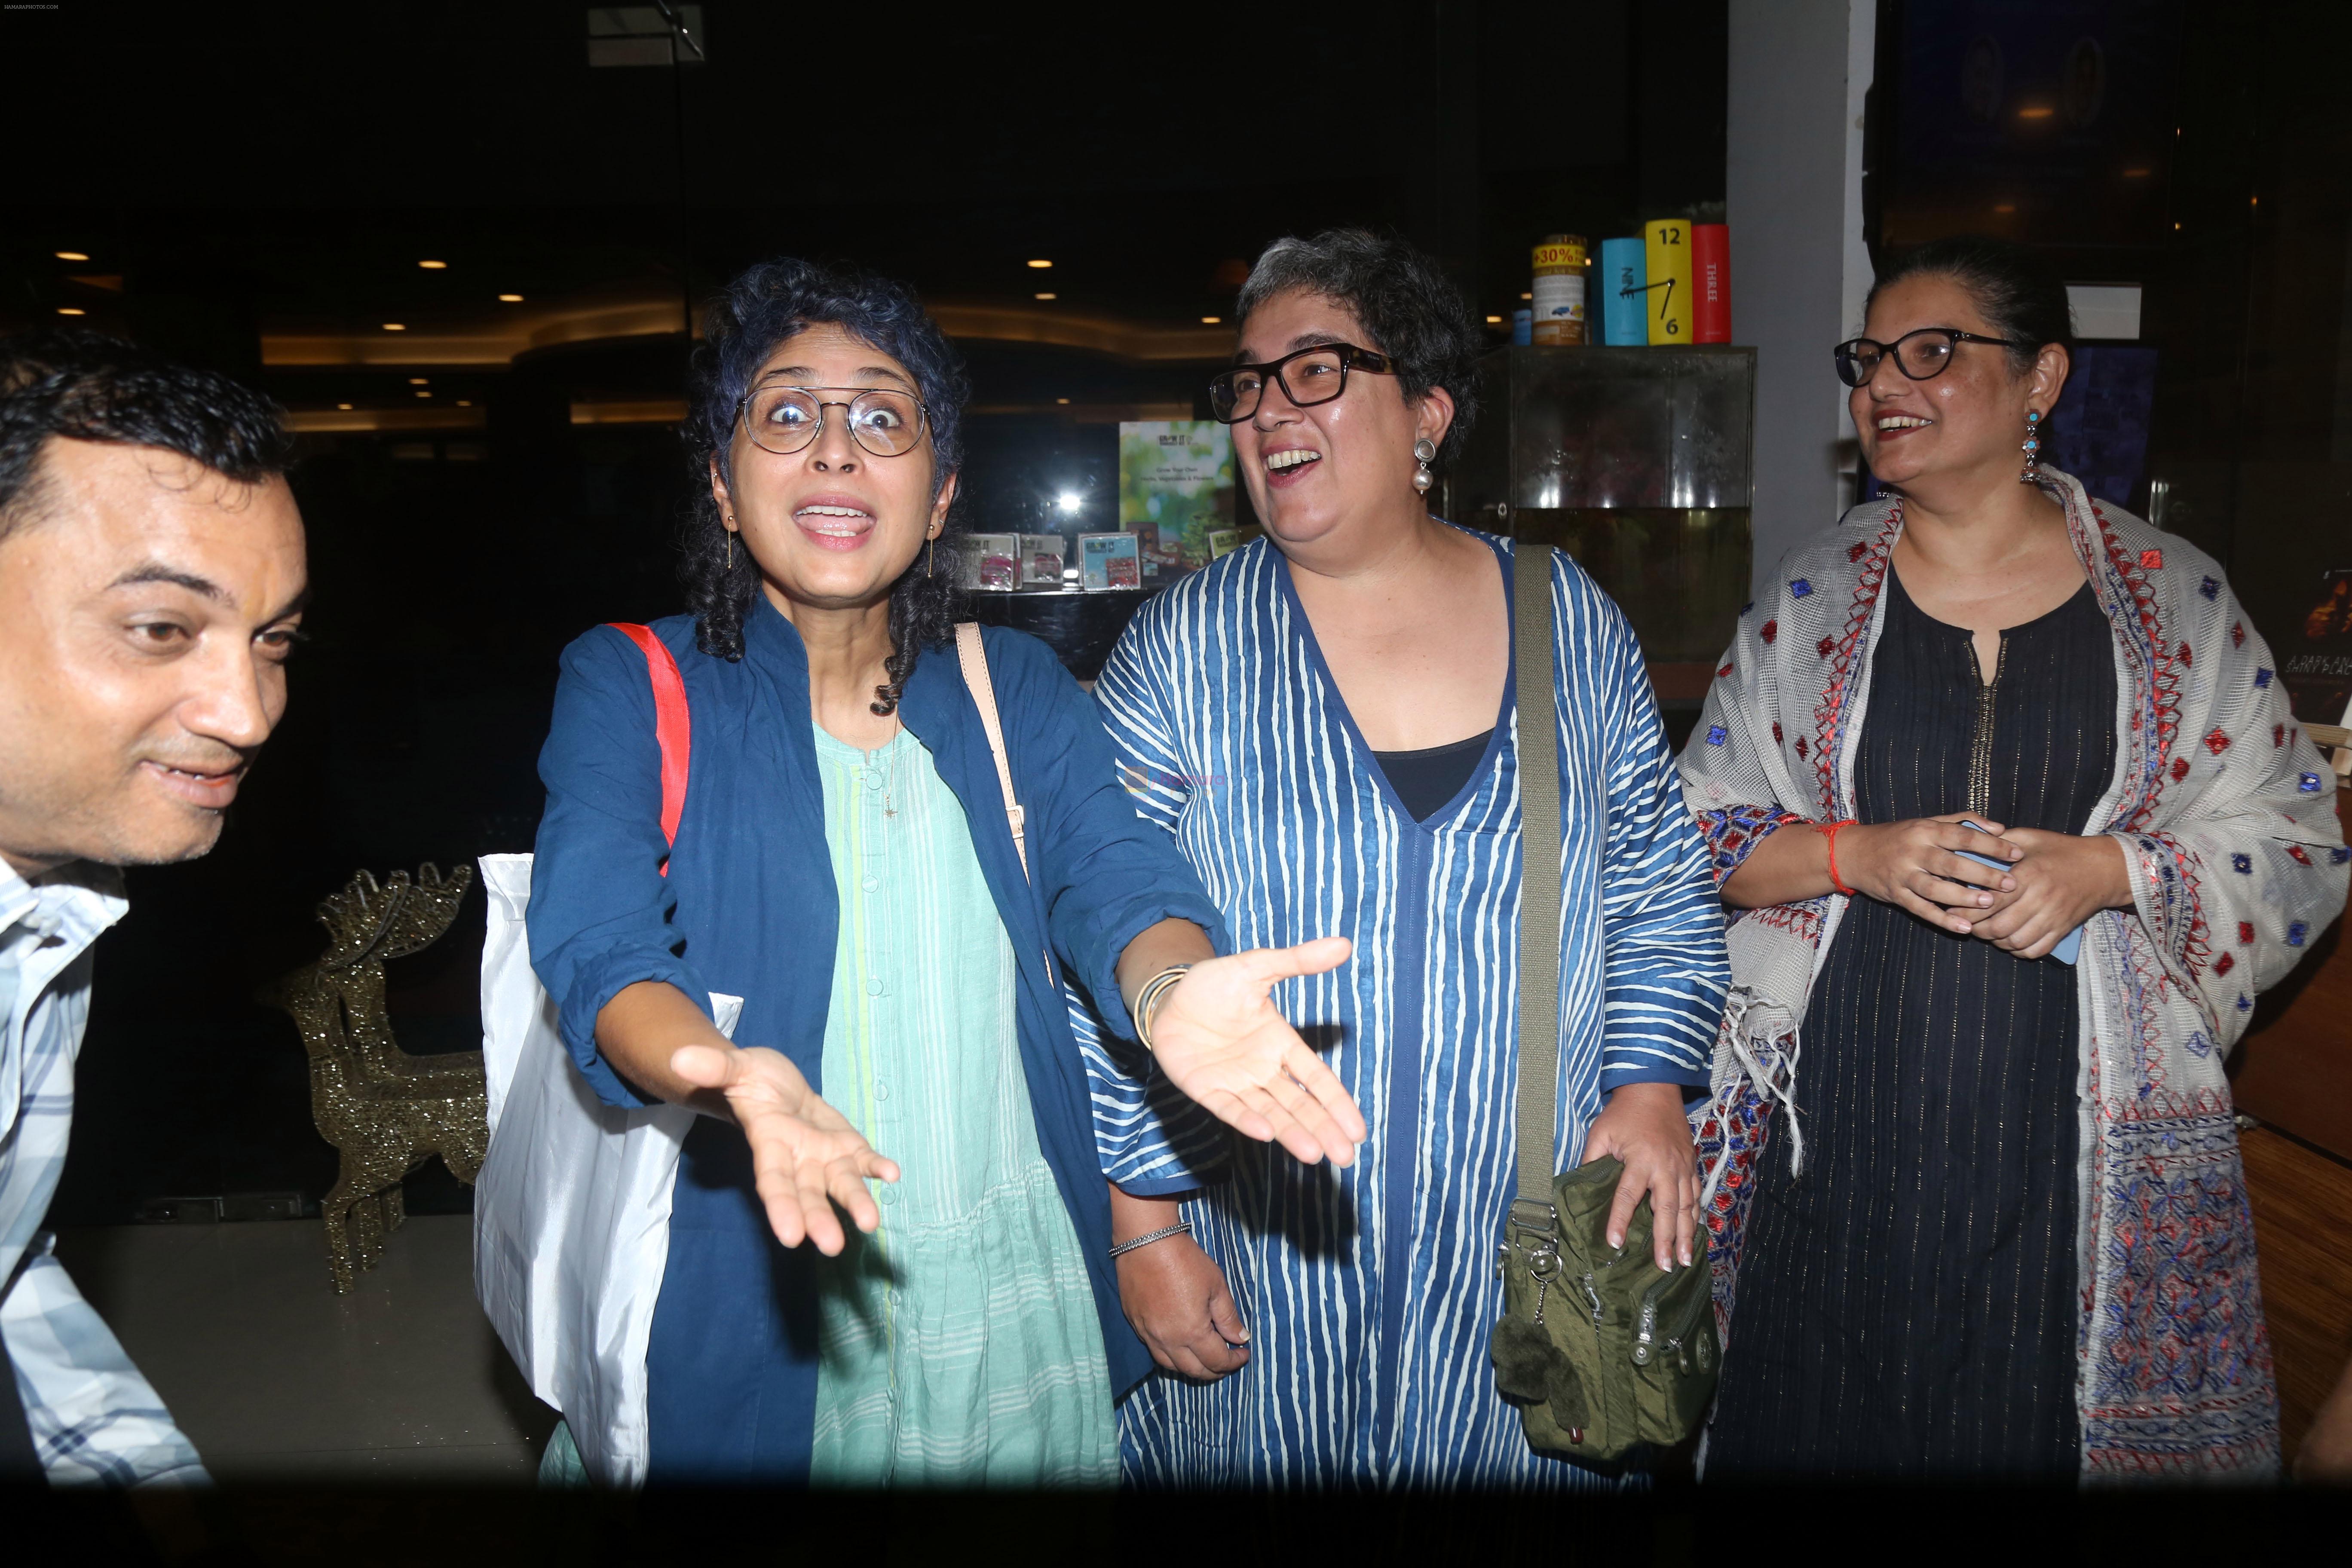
1307 376
1922 356
785 419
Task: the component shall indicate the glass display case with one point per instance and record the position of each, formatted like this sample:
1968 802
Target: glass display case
1636 461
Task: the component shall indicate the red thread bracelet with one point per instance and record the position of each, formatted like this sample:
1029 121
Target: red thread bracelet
1830 831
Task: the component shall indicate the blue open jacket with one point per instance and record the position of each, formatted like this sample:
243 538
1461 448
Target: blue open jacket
750 909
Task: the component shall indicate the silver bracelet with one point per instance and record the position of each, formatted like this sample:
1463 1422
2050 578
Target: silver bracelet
1148 995
1181 1227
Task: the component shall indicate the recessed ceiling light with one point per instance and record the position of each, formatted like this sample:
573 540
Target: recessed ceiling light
1211 321
1049 296
71 255
419 381
1494 320
71 311
465 403
1069 501
1040 264
2037 111
1061 400
396 326
423 394
1527 296
510 298
345 407
434 266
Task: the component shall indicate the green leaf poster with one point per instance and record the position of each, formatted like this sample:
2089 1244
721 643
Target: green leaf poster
1175 488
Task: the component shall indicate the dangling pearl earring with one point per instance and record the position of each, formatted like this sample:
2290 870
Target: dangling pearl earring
2033 447
1424 452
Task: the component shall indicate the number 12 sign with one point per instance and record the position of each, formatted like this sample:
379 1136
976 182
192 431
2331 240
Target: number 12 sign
1668 247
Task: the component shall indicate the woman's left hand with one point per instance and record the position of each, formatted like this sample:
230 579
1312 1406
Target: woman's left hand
1643 1126
2062 881
1218 1038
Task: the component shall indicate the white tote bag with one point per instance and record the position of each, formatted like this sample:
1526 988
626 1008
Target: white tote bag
572 1208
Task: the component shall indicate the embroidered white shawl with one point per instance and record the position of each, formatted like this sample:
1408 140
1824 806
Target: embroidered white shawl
2227 816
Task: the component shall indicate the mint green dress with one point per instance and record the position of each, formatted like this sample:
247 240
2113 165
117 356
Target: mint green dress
960 1343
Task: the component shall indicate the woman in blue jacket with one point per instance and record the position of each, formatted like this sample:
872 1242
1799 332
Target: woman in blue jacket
845 861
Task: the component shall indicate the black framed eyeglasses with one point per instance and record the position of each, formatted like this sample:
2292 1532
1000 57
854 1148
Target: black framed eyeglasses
785 419
1307 376
1922 356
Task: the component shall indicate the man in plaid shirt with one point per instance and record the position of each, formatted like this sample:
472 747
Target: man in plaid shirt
151 578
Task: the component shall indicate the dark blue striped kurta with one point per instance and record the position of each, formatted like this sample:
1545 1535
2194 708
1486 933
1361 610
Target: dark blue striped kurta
1370 1291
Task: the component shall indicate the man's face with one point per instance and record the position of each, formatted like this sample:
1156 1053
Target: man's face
147 607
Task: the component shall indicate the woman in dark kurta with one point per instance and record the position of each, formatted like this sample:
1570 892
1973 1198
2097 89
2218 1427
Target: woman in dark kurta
845 863
1998 1227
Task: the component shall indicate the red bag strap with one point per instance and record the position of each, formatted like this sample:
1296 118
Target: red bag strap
673 725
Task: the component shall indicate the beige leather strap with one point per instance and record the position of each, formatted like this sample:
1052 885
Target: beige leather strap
974 660
1539 846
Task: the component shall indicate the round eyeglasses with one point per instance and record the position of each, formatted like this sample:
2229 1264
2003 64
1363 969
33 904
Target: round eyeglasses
1307 376
785 419
1922 356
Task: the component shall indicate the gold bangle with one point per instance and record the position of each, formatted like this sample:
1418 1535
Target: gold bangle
1148 995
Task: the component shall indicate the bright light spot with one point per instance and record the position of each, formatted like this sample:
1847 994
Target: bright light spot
1527 296
2038 111
345 407
434 266
396 326
1069 501
1211 321
1041 264
1049 296
419 381
465 403
1061 400
423 394
71 311
71 255
510 298
1494 320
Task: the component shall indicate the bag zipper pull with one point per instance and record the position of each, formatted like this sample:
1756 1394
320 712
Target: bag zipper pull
1647 1333
1593 1296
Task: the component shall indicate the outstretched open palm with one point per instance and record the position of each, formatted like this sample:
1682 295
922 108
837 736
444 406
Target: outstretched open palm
806 1156
1220 1040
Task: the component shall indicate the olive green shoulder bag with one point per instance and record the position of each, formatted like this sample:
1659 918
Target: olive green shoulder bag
1600 1350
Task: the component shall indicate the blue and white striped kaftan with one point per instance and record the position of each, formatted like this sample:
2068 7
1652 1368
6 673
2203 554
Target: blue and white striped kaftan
1370 1292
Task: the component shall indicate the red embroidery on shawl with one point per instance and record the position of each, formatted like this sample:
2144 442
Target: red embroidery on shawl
2217 742
1855 553
2221 965
2185 659
2245 928
2182 892
2179 768
2163 678
1725 671
1824 646
2295 853
1769 631
2238 634
1776 732
2278 734
1800 746
1830 713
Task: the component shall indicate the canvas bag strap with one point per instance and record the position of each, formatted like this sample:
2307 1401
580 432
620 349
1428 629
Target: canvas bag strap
974 659
1538 766
673 725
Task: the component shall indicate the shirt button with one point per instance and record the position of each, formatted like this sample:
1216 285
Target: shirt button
881 1089
889 1194
873 779
874 987
872 882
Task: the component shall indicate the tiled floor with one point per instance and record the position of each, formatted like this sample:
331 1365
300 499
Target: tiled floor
275 1377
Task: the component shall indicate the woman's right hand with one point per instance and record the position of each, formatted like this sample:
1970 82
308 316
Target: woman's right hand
806 1156
1175 1298
1911 866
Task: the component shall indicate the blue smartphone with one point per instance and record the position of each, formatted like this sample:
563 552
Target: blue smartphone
2071 944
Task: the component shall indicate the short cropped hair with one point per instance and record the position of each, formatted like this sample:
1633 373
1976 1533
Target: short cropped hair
83 386
764 307
1409 309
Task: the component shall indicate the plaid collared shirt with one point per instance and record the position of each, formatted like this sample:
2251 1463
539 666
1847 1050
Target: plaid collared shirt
94 1420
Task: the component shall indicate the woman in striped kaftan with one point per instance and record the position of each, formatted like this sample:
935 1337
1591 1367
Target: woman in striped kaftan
1250 725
